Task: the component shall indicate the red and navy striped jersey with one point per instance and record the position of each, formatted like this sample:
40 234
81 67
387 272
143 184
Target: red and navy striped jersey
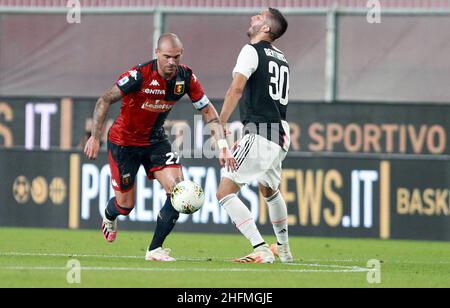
147 101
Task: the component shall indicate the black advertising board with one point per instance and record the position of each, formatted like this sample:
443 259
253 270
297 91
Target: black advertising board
338 197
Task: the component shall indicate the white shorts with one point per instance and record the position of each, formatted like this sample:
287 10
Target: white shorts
258 159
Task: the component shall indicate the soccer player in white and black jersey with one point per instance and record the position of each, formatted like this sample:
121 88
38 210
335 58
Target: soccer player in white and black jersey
261 85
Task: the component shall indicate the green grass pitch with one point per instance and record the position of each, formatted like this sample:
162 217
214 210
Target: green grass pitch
38 258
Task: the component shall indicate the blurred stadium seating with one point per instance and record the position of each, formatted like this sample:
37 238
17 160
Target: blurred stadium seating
406 57
230 3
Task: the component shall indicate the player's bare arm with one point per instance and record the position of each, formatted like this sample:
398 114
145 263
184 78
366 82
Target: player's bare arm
212 118
101 111
232 97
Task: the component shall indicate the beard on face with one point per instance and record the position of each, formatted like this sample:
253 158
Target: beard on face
254 30
251 32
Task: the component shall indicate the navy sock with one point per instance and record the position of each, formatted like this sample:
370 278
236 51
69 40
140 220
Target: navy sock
167 218
113 210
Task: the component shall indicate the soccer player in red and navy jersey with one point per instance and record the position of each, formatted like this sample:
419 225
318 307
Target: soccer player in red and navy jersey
149 91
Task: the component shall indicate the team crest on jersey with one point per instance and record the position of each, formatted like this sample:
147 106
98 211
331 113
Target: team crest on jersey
179 87
126 179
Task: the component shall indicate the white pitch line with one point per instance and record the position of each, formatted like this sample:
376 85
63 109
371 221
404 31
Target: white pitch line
322 265
72 255
31 254
342 268
211 258
145 269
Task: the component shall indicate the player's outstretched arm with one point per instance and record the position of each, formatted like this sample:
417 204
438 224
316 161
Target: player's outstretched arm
101 110
212 118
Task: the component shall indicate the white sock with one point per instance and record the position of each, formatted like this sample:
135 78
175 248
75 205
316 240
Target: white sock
242 218
278 217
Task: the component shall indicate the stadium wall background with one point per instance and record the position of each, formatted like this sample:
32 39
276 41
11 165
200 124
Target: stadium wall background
355 170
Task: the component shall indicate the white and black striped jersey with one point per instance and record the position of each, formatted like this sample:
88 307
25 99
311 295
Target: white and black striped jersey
263 106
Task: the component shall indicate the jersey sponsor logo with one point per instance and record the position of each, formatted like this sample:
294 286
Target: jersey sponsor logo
154 92
179 87
157 105
154 83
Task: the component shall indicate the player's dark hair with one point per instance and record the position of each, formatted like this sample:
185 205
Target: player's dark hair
279 24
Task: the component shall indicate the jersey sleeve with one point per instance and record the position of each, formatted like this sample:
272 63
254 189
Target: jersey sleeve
196 93
130 81
247 61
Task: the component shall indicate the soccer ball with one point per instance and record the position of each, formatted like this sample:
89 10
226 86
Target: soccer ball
187 197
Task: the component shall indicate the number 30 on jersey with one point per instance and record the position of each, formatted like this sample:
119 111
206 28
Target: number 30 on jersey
279 82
